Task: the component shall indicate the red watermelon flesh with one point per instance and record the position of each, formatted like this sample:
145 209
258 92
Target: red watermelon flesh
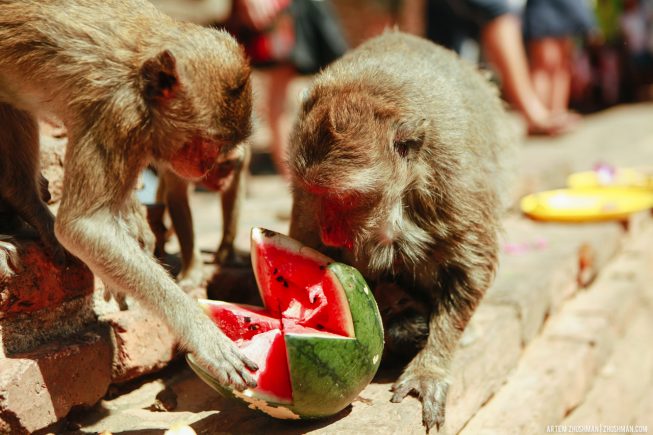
294 285
260 337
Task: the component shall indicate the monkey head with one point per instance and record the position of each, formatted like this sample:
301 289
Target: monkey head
198 97
357 155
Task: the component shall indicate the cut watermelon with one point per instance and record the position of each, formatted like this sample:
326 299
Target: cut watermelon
319 339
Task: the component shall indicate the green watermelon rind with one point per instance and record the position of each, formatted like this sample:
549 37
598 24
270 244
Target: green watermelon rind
321 366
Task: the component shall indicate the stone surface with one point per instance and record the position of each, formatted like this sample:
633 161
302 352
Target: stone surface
141 343
26 331
623 383
494 333
41 387
544 264
558 367
41 283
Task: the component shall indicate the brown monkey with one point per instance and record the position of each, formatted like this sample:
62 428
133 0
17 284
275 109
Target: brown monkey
132 86
228 178
398 162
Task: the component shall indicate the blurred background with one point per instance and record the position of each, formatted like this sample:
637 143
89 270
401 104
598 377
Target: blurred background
554 60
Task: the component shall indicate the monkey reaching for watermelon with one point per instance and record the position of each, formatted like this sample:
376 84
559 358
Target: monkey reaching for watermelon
132 86
399 160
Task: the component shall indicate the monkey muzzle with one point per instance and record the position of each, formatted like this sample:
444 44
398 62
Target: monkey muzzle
335 230
197 157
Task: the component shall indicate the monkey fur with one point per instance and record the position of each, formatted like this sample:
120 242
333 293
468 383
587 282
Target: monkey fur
132 87
400 159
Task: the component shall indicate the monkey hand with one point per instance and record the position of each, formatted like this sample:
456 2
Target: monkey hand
430 385
9 261
217 354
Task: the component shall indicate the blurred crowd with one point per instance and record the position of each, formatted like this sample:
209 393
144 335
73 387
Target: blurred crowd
552 59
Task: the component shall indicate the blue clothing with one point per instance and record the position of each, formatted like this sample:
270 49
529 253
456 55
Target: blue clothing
557 18
450 22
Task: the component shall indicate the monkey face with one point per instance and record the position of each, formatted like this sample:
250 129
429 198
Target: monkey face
354 154
201 103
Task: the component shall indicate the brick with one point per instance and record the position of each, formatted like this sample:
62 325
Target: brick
644 415
41 283
625 380
551 377
142 343
559 366
537 280
41 387
494 333
25 331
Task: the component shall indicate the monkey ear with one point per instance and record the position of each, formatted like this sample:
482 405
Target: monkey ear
160 77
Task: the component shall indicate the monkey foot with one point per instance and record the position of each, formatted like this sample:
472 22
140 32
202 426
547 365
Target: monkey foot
9 261
431 391
556 125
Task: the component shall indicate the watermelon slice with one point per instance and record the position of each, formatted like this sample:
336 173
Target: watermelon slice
318 341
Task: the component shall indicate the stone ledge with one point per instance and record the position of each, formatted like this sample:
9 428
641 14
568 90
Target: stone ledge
42 386
559 366
42 284
141 344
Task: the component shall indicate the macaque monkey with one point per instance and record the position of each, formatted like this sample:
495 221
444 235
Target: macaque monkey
399 160
228 178
132 86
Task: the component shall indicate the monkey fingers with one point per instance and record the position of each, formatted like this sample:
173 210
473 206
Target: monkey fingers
225 362
9 261
431 391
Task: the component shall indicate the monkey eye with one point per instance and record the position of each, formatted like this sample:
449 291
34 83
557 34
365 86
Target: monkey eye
237 90
404 146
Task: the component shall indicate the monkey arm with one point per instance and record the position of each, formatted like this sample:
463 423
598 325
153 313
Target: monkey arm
458 291
101 241
95 223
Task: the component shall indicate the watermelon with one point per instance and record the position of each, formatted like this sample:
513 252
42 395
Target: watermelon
318 341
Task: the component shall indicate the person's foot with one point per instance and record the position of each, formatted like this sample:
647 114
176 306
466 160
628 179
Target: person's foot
554 125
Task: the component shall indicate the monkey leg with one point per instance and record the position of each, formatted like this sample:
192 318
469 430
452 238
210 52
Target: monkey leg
427 374
21 184
176 199
232 199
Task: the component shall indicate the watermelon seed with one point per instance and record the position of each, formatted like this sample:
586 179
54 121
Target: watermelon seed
322 267
285 283
320 327
275 271
280 278
254 327
248 319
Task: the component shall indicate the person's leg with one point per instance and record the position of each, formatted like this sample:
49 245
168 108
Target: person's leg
561 79
279 77
543 54
502 40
